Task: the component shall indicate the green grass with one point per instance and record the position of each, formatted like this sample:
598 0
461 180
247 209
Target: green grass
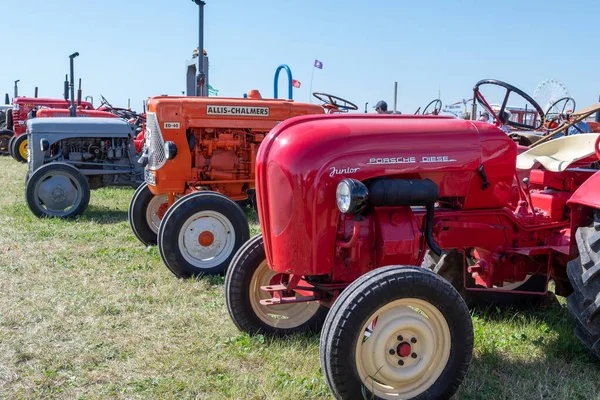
88 312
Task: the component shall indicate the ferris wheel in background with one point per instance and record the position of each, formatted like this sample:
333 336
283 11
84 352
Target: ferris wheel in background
548 92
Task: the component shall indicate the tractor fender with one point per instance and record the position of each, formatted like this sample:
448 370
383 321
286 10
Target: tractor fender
587 194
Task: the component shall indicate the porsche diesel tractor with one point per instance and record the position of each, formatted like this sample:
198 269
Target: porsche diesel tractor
349 205
203 150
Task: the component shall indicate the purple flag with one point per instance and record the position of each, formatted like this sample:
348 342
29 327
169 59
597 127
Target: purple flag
318 64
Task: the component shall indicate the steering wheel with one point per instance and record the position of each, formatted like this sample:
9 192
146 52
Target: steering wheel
105 102
500 115
560 106
437 107
334 103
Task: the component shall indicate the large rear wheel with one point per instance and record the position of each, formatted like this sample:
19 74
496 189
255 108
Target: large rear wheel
249 271
5 137
200 234
145 213
397 333
584 275
57 190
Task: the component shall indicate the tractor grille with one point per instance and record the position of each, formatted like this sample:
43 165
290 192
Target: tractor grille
156 144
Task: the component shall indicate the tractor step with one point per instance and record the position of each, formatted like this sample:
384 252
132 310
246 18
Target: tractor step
288 300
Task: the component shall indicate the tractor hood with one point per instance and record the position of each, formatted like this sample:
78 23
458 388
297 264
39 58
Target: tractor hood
302 160
79 126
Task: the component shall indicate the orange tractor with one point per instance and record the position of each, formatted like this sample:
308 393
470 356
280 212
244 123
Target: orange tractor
199 158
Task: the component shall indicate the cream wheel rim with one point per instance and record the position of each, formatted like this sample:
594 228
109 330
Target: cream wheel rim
406 351
283 316
153 217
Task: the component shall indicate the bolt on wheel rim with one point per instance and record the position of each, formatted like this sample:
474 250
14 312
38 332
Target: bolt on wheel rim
403 349
218 250
283 316
58 193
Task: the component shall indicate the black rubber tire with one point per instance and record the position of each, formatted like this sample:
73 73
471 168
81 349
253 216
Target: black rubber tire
10 143
5 137
237 294
137 215
177 215
77 176
450 267
15 148
584 275
359 301
9 120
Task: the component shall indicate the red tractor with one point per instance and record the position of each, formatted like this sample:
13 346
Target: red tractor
349 205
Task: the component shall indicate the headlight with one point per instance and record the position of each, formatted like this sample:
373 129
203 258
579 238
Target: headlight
44 144
351 196
170 150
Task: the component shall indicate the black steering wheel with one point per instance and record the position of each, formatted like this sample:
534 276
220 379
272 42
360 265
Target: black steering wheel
335 103
500 116
560 106
105 102
437 107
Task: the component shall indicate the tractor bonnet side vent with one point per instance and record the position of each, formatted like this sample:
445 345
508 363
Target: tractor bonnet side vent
156 143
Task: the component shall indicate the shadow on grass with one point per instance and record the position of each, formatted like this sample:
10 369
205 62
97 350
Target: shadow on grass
554 334
103 215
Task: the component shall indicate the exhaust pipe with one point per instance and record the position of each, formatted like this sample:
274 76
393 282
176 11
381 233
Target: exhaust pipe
66 88
17 88
6 99
36 92
395 96
79 94
72 109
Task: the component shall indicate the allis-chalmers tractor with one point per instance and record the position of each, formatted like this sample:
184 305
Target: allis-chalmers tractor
203 150
349 205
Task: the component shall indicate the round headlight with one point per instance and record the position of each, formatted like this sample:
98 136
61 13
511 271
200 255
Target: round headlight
170 150
351 196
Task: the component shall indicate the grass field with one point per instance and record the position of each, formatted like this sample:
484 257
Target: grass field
88 312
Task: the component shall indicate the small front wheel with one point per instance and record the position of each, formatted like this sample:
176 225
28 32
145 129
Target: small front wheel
200 234
397 333
19 148
146 211
246 274
57 190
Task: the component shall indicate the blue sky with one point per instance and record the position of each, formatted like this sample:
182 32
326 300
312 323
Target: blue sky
136 49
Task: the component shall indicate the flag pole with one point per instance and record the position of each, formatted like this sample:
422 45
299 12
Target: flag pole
311 82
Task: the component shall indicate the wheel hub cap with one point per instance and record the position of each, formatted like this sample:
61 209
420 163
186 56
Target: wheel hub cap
57 193
206 239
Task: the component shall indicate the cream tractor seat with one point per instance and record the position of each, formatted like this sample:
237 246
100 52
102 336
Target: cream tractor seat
557 154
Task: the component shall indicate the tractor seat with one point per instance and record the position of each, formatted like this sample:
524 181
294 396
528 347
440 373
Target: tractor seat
557 154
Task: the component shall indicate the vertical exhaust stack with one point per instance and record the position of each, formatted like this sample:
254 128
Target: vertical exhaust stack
6 99
79 94
598 113
72 108
200 73
66 88
36 92
395 97
17 88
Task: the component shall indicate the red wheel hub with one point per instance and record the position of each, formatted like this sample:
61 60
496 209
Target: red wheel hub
404 349
206 238
162 209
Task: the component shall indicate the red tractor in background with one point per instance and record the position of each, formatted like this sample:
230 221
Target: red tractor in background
25 108
350 205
